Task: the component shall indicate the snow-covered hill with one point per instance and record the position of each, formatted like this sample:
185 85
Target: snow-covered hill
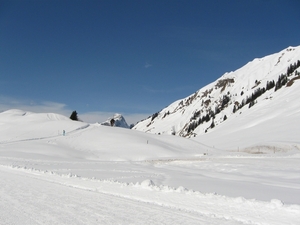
260 96
85 140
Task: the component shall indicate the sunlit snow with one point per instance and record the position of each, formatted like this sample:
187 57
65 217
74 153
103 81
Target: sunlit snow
246 171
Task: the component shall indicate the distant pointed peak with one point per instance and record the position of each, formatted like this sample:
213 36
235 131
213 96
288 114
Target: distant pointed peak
116 121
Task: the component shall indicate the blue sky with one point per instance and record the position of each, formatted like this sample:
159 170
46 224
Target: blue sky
132 57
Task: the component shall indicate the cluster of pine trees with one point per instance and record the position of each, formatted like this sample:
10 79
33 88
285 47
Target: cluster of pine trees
292 68
154 116
270 85
197 120
282 80
251 99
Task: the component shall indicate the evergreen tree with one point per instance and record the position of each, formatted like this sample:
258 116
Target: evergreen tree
199 121
74 116
242 104
207 118
212 125
234 109
225 101
270 85
251 104
154 116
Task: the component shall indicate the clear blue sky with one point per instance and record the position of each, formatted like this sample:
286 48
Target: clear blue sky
130 57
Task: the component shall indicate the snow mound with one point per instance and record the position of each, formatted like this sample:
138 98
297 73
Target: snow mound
147 183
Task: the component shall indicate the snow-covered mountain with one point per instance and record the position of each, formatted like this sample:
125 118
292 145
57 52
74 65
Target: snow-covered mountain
218 175
265 89
116 121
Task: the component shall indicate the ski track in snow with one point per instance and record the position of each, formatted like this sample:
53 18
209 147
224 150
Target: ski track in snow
43 138
43 197
30 199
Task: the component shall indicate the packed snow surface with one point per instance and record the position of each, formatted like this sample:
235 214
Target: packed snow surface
93 174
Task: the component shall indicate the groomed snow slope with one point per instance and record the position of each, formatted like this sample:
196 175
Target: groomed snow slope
104 175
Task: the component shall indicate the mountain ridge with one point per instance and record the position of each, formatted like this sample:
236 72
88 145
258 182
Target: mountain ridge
213 104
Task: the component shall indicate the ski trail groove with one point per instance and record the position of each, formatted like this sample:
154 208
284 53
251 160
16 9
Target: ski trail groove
44 138
194 207
31 200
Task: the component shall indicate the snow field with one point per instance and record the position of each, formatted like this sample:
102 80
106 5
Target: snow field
105 175
210 206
